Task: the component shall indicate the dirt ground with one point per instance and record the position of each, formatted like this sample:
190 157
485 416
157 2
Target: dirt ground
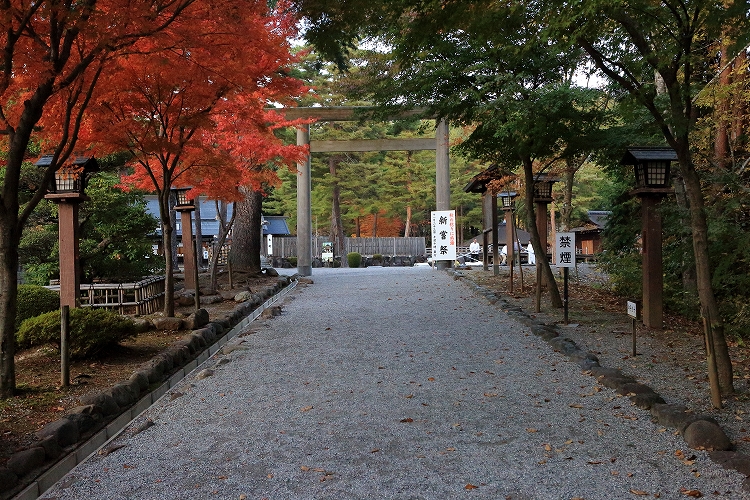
40 398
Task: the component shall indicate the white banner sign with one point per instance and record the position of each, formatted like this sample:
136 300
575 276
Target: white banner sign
565 249
444 235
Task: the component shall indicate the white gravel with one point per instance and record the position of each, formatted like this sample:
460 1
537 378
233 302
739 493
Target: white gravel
394 383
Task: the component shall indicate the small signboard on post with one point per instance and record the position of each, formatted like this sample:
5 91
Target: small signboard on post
565 249
634 311
565 253
443 235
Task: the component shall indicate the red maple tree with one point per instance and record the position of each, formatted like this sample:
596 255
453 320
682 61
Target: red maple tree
189 106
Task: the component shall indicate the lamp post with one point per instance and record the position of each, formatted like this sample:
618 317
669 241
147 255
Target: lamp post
652 184
190 259
67 190
508 199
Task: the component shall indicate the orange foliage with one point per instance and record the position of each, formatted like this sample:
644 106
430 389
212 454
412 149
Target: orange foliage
387 227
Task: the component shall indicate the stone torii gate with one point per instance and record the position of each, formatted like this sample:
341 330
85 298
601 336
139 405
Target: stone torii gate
348 113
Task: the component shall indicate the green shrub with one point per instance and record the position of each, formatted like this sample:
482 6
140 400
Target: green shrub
377 256
91 330
33 300
292 261
354 259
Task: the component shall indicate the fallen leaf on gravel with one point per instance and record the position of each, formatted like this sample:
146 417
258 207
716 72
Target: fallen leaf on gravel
407 420
490 394
691 493
223 477
431 379
593 462
304 468
409 396
306 408
375 450
639 492
470 487
576 406
531 429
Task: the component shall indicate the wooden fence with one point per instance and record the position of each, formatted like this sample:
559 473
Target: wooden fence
286 246
143 297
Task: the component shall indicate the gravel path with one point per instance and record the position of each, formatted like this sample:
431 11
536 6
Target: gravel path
394 383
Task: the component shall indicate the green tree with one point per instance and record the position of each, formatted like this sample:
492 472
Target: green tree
115 240
657 54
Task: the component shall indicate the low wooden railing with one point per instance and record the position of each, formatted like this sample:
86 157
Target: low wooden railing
143 297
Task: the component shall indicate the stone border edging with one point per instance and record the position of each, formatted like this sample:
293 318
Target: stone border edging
700 432
187 355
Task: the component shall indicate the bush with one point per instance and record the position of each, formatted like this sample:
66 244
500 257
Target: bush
377 256
354 259
91 330
33 300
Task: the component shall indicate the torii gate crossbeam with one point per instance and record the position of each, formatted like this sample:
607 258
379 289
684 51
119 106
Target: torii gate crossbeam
304 211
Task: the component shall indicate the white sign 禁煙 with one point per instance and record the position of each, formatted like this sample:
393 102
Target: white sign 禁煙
444 235
565 249
632 309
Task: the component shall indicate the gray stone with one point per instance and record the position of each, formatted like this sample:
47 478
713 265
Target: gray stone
634 388
142 325
142 378
25 461
167 324
63 430
671 415
211 299
604 371
269 271
85 422
588 363
563 345
705 435
198 319
204 374
646 400
615 382
105 402
8 479
732 460
201 341
52 448
243 296
207 333
218 327
123 395
540 330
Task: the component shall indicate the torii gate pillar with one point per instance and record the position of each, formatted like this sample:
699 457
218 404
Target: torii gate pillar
442 174
304 208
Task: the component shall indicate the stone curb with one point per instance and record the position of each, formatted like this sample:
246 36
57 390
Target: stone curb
700 432
68 441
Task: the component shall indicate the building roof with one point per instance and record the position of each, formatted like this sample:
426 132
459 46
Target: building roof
635 155
209 219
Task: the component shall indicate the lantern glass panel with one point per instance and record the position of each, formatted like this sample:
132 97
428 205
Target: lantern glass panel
543 189
182 199
656 173
68 181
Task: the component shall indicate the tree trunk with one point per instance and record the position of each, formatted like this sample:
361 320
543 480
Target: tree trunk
721 115
224 228
541 253
167 237
337 227
688 266
245 253
407 229
375 225
567 208
709 307
8 294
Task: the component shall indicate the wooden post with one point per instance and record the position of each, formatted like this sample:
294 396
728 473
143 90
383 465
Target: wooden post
510 244
442 174
65 346
69 253
653 280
